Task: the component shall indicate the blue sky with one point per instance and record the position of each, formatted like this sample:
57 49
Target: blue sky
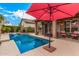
12 10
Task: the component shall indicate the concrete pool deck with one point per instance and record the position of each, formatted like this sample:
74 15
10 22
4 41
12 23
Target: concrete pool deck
9 48
63 48
4 37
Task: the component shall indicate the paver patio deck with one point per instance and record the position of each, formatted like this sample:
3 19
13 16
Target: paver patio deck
63 48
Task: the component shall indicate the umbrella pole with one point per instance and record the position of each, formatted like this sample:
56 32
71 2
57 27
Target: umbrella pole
49 48
49 35
49 42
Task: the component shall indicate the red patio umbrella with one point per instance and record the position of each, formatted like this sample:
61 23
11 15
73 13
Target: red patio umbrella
53 11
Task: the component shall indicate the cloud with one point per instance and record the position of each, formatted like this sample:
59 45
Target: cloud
12 16
5 10
1 8
12 20
6 15
18 13
22 14
8 11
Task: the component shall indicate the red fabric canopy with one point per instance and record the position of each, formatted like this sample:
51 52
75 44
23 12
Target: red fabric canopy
58 10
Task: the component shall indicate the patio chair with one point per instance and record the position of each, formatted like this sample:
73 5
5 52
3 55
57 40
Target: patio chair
74 35
63 34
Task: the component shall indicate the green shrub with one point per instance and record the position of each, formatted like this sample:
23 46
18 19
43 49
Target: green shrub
30 29
6 29
10 28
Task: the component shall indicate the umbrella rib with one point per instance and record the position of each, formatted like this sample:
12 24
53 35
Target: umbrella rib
58 5
62 4
63 12
47 7
37 10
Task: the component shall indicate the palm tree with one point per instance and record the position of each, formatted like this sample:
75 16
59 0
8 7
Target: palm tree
1 18
1 22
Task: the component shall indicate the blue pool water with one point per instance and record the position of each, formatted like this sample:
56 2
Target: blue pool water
27 42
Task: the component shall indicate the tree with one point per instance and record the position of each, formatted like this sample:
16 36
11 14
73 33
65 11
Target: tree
1 18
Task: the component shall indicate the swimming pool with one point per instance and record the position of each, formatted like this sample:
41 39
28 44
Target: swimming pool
27 42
